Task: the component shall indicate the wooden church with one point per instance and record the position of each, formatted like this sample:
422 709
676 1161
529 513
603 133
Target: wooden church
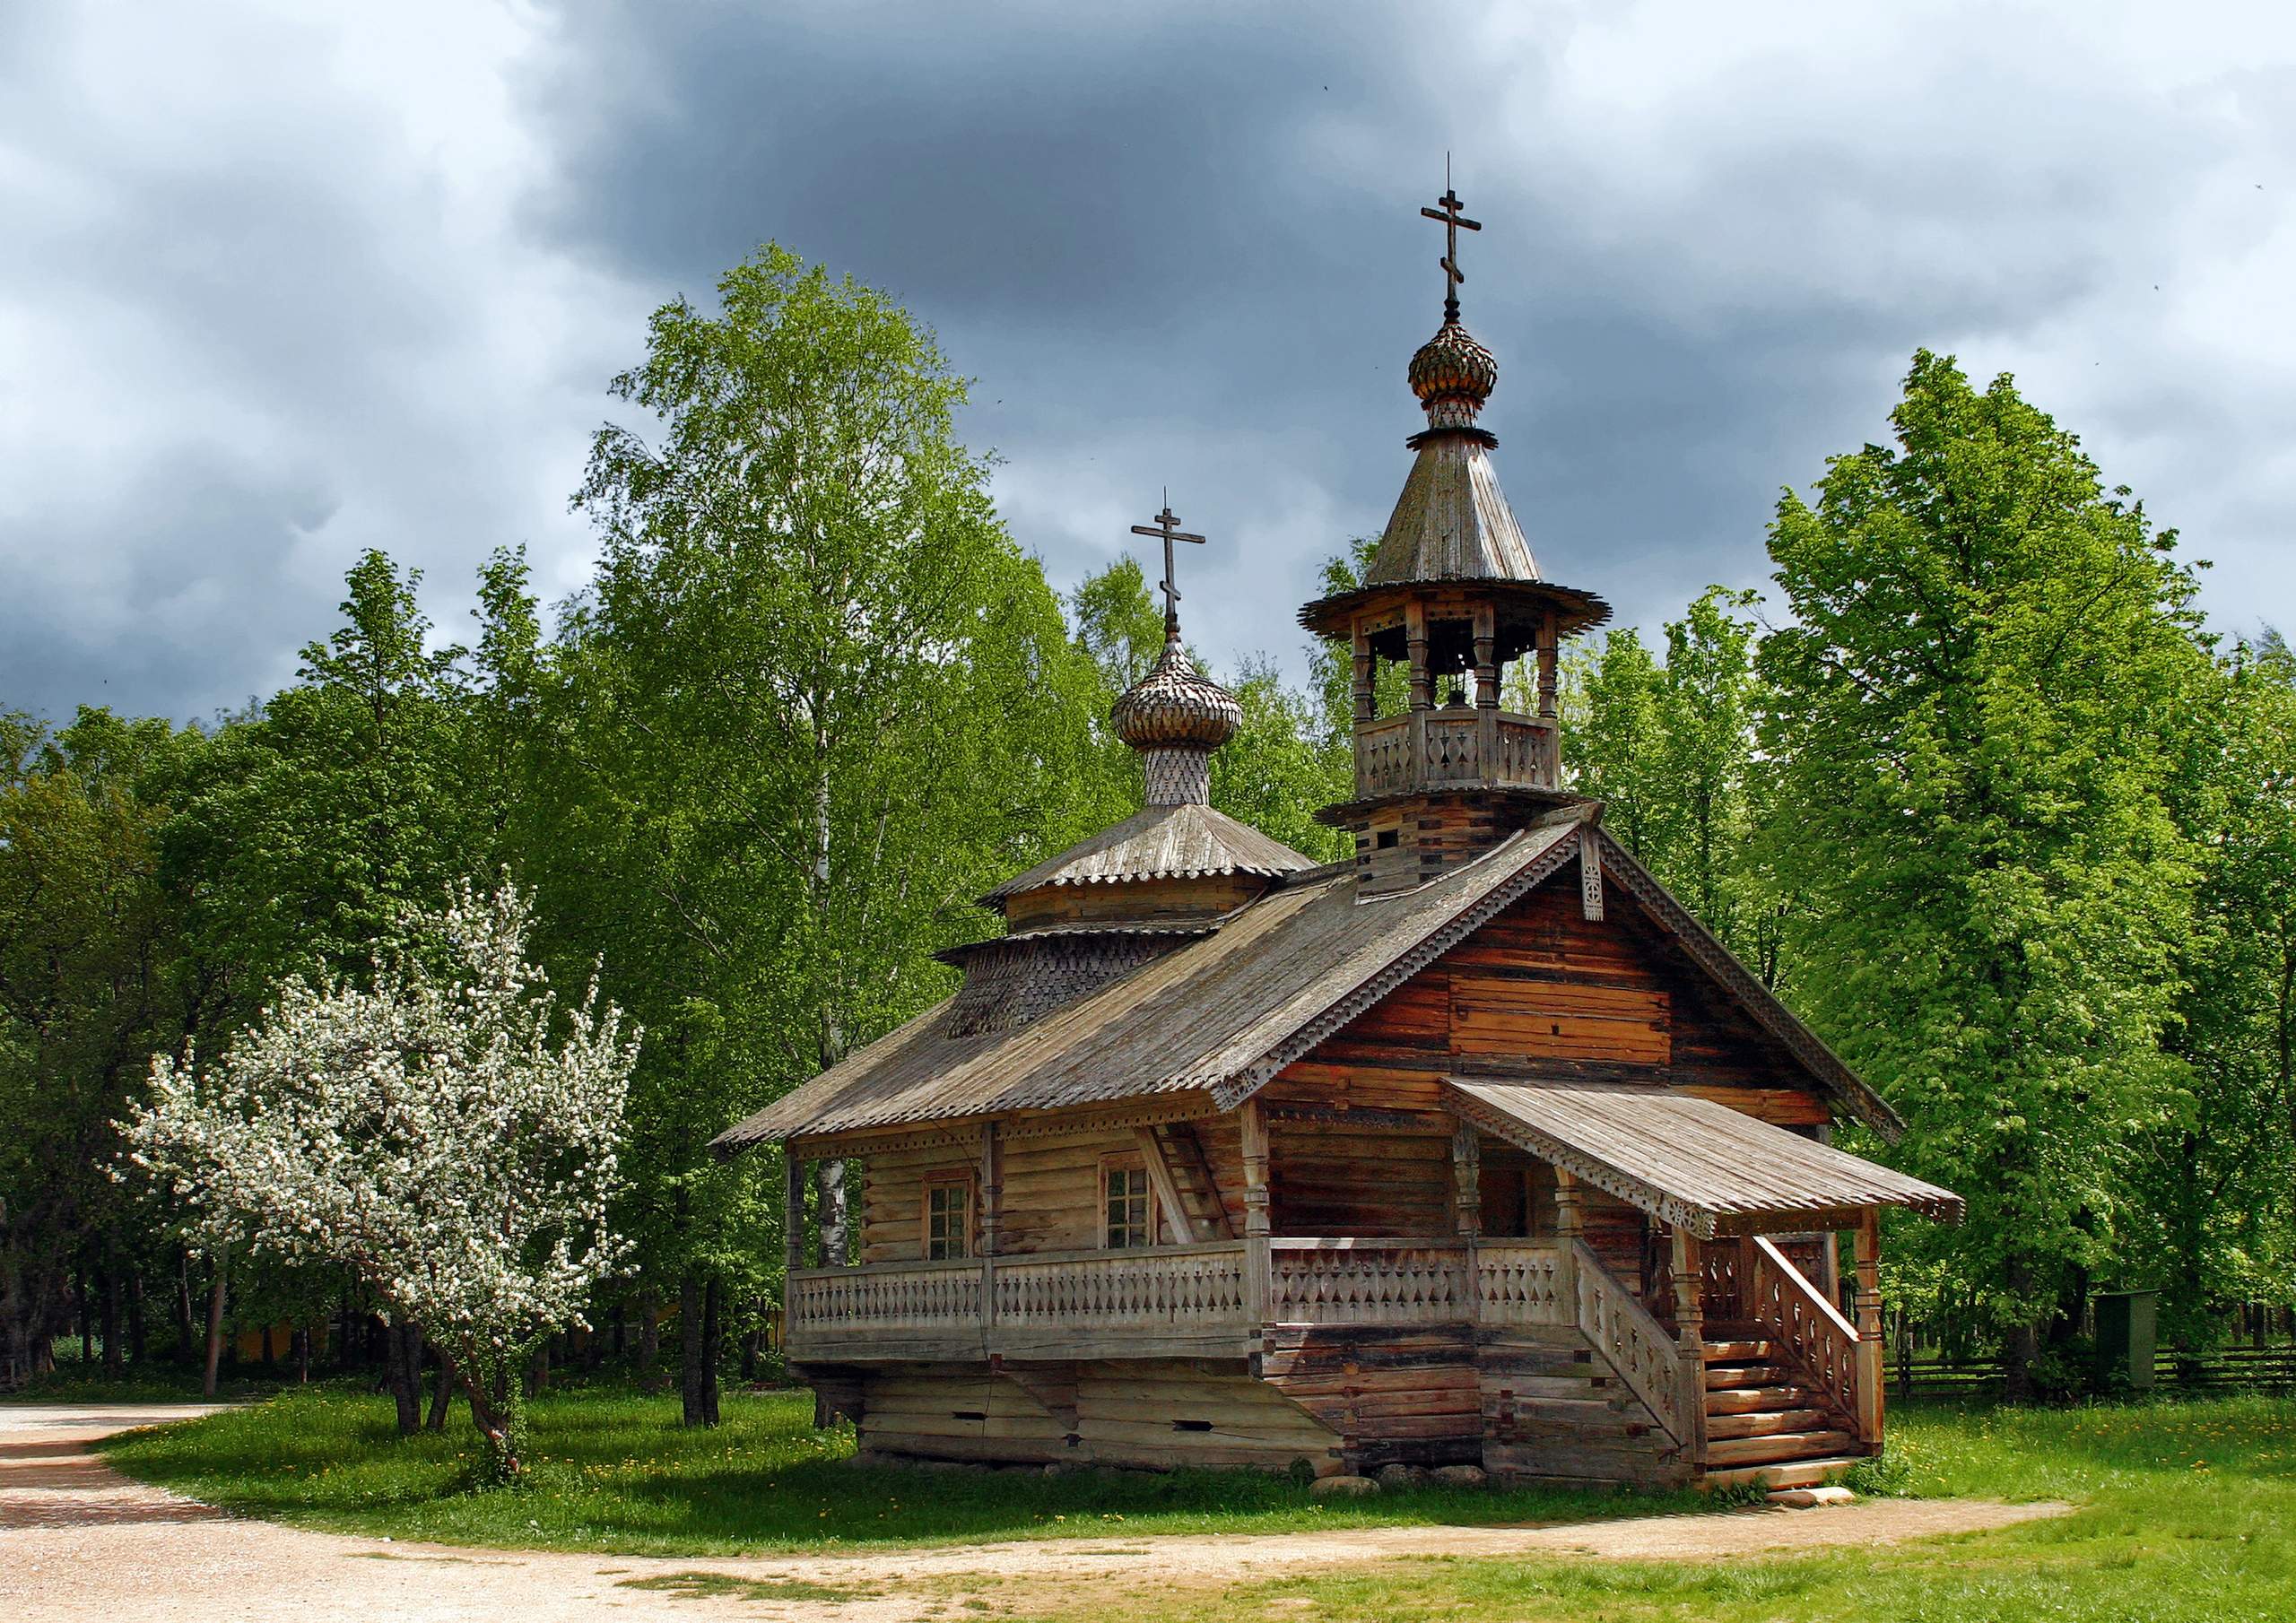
1475 1148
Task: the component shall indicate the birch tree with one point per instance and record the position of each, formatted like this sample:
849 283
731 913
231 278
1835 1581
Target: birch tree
432 1131
821 702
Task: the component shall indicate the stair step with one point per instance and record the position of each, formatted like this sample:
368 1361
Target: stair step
1747 1374
1764 1423
1737 1352
1753 1400
1794 1474
1783 1445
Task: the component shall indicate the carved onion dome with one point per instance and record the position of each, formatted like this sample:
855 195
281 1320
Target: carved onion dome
1175 705
1453 375
1175 716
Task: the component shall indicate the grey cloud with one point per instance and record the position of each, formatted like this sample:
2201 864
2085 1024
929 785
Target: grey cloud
1178 246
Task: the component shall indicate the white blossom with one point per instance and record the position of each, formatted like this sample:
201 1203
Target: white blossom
423 1130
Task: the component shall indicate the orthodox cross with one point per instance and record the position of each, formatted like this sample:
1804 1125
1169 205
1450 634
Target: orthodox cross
1165 520
1447 211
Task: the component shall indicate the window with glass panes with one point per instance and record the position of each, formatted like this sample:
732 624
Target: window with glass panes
1131 1219
948 1221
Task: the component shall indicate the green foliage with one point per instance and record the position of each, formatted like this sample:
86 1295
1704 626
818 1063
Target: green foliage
1975 811
89 987
815 703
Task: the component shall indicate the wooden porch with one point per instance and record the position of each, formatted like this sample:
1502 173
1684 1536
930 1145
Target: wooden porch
1752 1366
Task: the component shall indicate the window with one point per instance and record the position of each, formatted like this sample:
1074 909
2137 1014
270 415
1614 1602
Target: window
1129 1208
948 1219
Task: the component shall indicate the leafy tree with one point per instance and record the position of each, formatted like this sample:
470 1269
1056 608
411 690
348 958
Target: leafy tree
87 989
824 704
430 1131
2217 1227
1973 802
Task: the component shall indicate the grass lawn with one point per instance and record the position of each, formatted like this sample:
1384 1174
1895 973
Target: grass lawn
2188 1516
612 1471
2188 1512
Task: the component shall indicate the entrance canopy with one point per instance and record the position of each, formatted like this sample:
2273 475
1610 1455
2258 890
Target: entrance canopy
1689 1162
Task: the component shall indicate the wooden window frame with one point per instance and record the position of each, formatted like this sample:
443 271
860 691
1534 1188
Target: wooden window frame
965 1182
1130 1161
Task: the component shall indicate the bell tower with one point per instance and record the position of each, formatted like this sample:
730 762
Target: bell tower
1454 595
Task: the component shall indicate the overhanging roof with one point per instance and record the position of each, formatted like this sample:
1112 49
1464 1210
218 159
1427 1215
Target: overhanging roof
1690 1161
1163 842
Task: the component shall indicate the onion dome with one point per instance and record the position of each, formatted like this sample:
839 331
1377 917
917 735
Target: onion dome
1176 706
1453 375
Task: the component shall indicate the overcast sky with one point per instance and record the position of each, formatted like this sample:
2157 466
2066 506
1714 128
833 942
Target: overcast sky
282 281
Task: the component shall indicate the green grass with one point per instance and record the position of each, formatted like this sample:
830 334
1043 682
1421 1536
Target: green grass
2187 1511
2189 1515
612 1471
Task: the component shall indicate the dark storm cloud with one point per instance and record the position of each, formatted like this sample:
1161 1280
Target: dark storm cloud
278 294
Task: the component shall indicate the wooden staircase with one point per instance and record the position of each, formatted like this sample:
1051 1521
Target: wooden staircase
1182 1175
1762 1423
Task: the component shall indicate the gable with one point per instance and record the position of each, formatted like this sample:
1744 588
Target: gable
1542 990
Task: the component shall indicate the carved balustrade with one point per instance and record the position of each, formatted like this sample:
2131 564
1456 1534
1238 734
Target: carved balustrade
1458 749
1820 1343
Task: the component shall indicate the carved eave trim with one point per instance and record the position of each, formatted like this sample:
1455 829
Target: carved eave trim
1669 1208
1234 1089
965 1133
1750 994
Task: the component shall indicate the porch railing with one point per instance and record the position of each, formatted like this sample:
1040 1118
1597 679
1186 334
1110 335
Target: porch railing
1463 748
1822 1343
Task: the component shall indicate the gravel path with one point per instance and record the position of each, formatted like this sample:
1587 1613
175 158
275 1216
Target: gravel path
80 1541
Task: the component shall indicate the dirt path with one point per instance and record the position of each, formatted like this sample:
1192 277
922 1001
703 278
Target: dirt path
80 1541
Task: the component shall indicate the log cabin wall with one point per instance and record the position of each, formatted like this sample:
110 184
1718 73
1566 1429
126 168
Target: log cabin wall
1051 1192
1544 988
1159 1413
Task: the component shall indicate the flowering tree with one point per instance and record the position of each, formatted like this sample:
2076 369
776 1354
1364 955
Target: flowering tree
424 1131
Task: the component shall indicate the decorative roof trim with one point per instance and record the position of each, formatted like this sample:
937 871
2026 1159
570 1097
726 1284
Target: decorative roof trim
1232 1089
1768 1012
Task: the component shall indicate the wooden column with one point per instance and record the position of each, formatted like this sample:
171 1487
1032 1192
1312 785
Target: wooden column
1869 1325
793 1240
1414 635
1568 1228
1366 703
1689 1331
793 1214
1549 685
992 1208
1467 1179
1252 1123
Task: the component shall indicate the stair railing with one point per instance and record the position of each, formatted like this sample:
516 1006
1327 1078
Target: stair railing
1822 1344
1634 1344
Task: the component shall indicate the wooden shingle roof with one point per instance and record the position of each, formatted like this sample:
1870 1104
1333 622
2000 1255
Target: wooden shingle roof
1187 841
1225 1011
1686 1161
1222 1015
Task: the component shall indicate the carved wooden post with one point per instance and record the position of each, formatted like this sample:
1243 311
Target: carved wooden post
1414 634
1690 1327
1365 699
992 1204
1486 692
1467 1177
1566 1231
1869 1325
1252 1122
1550 740
1549 685
793 1238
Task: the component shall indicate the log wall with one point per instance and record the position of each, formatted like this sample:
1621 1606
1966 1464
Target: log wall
1162 1413
1051 1193
1550 1407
